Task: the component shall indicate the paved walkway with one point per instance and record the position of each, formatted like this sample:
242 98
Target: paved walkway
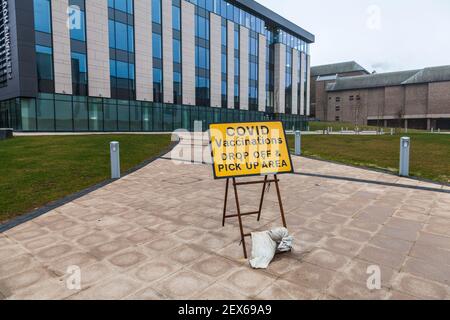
156 234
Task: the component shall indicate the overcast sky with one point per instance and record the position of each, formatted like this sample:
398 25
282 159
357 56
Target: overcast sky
381 35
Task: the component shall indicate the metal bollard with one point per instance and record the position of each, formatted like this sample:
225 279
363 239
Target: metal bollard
115 160
298 143
392 131
405 145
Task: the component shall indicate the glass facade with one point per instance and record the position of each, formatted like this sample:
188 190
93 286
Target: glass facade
202 57
253 70
237 67
157 51
224 63
78 47
177 55
44 45
288 100
121 49
53 112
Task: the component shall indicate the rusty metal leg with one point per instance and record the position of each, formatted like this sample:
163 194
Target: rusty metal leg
280 202
240 218
262 198
225 202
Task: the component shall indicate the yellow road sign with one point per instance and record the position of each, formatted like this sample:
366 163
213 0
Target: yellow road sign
249 149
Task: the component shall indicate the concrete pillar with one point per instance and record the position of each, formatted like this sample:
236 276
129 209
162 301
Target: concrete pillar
243 68
280 78
385 123
98 48
308 86
167 45
262 73
216 60
230 64
188 52
61 47
302 81
143 48
406 124
428 124
295 80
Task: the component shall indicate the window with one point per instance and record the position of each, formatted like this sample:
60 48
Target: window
42 16
358 97
176 51
352 98
338 108
177 97
79 33
338 118
338 99
156 11
44 60
176 18
157 85
121 42
79 73
157 45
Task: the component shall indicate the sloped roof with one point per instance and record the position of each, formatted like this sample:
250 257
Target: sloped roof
336 68
434 74
372 81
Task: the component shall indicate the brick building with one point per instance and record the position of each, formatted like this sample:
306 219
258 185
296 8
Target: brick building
323 75
418 99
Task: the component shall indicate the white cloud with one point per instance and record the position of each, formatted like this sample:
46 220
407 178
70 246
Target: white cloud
382 34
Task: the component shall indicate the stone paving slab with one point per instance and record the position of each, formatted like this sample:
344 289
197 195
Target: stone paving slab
157 234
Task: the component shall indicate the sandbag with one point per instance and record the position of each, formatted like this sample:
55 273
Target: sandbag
266 244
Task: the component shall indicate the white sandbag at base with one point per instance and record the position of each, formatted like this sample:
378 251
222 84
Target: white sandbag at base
266 244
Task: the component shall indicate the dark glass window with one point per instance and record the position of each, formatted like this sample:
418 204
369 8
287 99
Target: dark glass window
79 73
177 95
44 61
157 85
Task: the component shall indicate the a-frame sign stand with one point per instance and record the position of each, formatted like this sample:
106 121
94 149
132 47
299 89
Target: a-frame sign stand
239 214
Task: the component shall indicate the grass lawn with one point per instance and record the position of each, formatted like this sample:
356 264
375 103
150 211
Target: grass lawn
430 153
337 126
35 171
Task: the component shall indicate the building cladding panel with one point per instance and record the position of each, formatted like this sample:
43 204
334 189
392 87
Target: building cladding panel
144 57
61 47
216 56
230 64
188 52
308 85
280 77
262 72
98 48
302 81
295 80
243 68
167 51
